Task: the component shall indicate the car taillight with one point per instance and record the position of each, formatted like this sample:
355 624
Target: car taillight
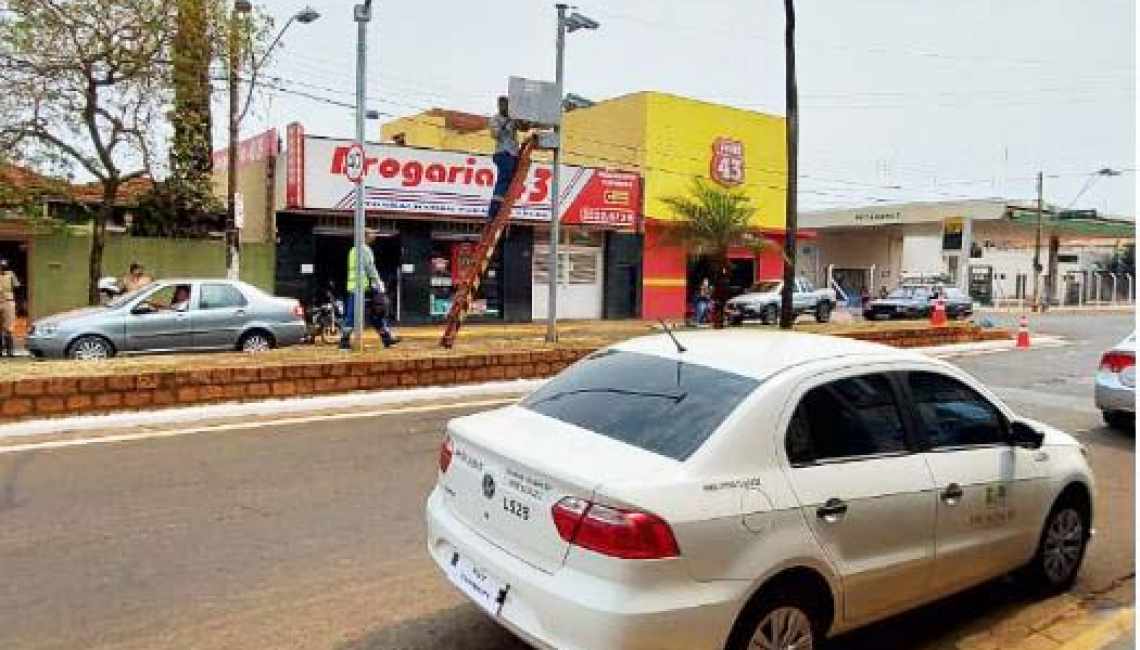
445 455
1117 362
624 534
298 310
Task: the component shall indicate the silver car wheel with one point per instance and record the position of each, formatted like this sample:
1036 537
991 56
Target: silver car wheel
89 349
256 343
1064 542
784 628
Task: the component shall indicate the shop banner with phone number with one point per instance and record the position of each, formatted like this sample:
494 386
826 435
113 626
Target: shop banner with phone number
409 180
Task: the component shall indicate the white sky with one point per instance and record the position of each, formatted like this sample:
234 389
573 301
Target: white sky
900 99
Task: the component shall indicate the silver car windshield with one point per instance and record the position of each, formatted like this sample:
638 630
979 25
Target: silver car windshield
765 287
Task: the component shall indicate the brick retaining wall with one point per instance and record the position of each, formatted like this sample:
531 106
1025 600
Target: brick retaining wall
61 396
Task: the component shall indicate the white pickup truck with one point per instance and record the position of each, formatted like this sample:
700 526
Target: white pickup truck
763 302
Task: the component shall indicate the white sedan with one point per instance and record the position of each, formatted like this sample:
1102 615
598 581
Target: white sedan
748 490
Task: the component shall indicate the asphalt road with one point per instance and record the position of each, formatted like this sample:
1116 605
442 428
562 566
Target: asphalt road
311 536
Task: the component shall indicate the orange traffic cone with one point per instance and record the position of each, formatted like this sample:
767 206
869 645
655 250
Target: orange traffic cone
1023 333
938 314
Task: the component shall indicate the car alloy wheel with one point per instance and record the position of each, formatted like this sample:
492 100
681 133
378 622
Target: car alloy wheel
823 312
784 628
256 343
1063 546
769 314
90 348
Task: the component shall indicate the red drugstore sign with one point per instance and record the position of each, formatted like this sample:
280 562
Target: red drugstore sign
448 183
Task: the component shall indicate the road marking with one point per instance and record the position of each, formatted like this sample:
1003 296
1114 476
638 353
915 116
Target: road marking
1103 633
242 426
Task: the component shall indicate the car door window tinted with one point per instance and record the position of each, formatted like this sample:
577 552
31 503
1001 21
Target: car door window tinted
951 414
661 405
220 296
848 418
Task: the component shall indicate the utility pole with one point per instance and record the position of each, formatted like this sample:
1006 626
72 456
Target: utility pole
552 273
1037 244
233 234
363 15
787 318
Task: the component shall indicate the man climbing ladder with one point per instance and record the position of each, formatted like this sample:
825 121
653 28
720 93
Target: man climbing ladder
505 130
485 249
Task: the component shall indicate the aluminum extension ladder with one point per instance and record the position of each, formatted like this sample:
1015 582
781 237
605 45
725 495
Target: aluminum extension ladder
485 249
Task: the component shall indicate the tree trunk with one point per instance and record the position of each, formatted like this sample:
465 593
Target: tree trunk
793 135
720 290
98 239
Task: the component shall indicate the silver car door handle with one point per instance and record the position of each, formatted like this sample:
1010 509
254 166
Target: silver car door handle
240 312
832 511
952 495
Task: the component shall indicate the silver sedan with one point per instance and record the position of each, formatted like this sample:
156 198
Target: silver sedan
173 315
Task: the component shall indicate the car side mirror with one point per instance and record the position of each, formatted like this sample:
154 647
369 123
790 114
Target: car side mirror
1024 435
143 308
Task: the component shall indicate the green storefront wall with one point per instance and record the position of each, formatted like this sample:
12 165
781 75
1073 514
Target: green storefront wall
58 275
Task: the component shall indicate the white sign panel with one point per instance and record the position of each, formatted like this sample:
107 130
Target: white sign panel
534 101
448 183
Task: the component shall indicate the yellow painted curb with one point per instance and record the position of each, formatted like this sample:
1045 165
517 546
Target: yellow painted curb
1104 633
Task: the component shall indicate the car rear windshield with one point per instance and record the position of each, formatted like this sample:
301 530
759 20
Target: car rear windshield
660 405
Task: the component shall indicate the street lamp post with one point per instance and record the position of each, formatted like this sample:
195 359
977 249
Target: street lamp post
571 23
233 244
244 8
363 15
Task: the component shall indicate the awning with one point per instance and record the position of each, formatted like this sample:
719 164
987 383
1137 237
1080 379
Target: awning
1087 227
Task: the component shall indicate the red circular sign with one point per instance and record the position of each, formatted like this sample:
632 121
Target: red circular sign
354 163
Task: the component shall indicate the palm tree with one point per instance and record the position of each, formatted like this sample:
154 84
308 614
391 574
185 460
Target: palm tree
713 220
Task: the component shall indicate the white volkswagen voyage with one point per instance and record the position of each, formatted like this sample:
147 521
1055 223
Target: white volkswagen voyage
754 490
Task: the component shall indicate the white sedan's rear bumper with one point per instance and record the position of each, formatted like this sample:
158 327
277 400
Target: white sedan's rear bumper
1112 395
659 608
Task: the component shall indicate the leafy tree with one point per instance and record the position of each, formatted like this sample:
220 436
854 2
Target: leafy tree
711 221
83 79
189 188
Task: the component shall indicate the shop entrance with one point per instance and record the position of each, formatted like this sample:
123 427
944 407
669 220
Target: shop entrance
741 275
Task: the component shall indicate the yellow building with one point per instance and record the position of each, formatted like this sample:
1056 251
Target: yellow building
668 140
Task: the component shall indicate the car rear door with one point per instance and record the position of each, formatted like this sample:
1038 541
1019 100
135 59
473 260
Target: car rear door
867 497
992 496
221 315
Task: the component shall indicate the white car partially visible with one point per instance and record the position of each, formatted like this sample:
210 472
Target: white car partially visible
748 489
1116 385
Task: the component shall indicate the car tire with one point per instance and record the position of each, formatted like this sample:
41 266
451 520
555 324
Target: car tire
90 347
823 312
256 341
788 617
769 314
1061 548
1119 420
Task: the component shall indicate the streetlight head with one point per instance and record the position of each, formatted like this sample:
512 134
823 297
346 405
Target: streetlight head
1108 171
308 15
577 21
243 6
573 102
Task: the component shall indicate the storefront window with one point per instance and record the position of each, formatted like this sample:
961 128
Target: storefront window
448 261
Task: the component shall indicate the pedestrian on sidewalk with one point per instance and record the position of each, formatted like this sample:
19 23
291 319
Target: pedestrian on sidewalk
8 285
374 293
702 302
505 130
136 278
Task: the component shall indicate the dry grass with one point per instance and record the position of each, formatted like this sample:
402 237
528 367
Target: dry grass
419 342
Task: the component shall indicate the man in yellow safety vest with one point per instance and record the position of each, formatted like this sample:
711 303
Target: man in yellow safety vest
376 305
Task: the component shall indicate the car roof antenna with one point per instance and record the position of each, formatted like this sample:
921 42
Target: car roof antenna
680 348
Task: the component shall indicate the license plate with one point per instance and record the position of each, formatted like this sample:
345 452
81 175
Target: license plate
480 586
